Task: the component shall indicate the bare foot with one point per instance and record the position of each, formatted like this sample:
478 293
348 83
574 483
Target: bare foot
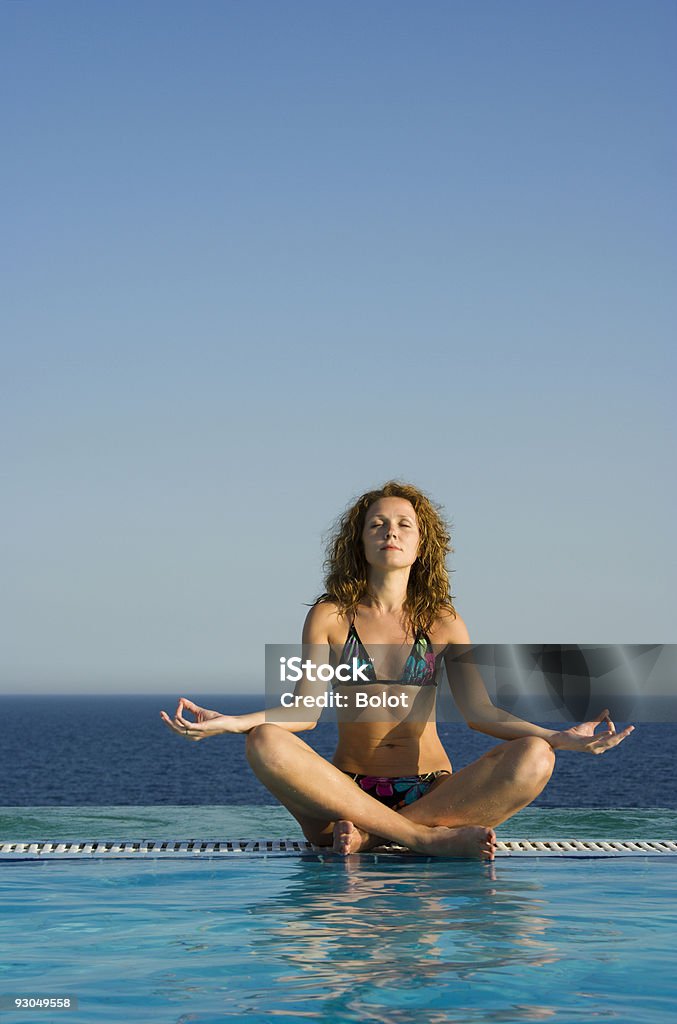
475 842
348 838
470 841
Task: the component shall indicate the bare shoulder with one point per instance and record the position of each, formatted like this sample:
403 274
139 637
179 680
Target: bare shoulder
450 629
324 623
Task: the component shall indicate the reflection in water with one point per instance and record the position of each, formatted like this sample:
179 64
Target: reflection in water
382 943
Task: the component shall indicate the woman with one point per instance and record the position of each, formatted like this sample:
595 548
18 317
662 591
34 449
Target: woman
387 589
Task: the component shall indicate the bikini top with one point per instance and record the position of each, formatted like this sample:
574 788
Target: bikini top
419 668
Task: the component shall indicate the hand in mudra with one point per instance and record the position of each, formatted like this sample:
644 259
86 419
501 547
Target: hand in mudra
206 723
582 737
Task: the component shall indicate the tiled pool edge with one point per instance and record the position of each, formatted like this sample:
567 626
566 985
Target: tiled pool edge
217 849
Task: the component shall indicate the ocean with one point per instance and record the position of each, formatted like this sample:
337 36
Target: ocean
100 750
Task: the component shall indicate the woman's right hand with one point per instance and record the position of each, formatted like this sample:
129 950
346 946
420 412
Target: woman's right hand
207 723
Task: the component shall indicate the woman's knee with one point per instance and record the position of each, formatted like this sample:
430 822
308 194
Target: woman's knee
262 739
533 755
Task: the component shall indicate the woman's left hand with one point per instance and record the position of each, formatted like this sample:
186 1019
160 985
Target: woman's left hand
582 737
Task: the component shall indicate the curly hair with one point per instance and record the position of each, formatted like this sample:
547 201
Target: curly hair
345 564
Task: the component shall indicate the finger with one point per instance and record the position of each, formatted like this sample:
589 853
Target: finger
185 722
167 720
607 742
189 728
174 728
610 727
603 717
181 713
622 735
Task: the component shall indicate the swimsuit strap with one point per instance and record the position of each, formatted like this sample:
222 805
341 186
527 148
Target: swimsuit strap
420 665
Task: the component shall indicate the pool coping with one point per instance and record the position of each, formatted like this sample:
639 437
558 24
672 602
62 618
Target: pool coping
216 849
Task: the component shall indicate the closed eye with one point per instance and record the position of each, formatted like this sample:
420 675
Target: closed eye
375 526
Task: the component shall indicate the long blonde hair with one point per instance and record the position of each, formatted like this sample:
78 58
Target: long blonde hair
346 566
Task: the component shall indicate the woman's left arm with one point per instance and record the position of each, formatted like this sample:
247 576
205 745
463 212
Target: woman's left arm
497 722
473 701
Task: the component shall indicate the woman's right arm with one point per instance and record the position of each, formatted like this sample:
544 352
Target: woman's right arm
201 728
211 723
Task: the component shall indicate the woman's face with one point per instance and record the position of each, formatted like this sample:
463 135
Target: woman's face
391 536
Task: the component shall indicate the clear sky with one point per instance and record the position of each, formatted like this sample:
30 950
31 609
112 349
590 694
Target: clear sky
261 256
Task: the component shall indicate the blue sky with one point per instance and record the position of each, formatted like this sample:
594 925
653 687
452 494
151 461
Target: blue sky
263 256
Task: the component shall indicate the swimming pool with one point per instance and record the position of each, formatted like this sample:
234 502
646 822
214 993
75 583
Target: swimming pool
360 939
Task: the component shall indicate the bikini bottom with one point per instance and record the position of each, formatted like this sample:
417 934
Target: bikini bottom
396 792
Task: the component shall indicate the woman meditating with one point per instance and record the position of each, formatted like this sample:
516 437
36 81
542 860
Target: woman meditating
387 616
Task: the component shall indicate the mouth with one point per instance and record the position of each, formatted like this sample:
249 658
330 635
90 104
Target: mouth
390 547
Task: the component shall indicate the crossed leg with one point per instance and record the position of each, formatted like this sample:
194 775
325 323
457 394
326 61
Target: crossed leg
325 801
493 788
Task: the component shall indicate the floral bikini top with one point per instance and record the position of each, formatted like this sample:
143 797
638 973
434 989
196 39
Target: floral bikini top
419 668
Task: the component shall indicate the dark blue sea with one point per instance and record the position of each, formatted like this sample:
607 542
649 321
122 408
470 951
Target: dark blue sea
107 750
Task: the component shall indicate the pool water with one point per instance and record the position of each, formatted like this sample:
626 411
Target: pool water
262 939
